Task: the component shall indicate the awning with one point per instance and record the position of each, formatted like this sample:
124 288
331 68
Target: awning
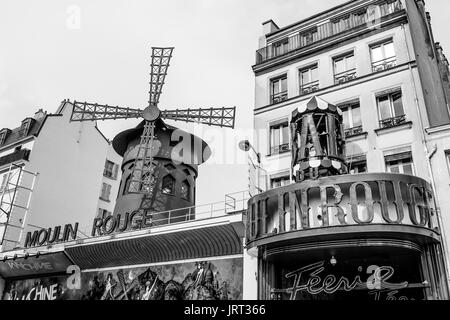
201 243
195 240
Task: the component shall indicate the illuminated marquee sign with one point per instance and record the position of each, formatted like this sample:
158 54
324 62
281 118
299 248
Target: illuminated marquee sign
340 201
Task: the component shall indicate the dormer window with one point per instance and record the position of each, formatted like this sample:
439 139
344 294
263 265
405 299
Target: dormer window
25 127
3 135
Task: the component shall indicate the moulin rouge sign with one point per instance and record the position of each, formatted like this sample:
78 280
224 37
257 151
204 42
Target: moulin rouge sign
102 226
342 200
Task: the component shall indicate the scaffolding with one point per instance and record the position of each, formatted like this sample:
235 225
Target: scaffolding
15 195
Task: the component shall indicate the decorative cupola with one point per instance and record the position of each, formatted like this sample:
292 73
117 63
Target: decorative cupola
318 146
4 133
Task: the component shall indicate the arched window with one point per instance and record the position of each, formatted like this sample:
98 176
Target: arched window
186 190
168 185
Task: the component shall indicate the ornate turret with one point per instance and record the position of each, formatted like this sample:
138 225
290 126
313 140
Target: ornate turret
318 145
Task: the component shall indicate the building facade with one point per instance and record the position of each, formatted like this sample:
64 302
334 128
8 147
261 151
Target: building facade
157 245
378 62
53 172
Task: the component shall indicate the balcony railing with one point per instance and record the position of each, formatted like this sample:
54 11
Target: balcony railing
279 97
284 148
345 76
309 88
351 132
392 122
325 31
384 64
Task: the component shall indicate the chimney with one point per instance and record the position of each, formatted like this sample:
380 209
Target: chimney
39 114
268 27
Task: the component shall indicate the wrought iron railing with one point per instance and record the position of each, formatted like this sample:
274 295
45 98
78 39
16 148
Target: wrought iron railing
279 97
384 64
351 132
284 148
326 30
309 88
345 76
392 122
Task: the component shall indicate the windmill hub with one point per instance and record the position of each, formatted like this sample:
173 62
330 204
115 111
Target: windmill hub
151 113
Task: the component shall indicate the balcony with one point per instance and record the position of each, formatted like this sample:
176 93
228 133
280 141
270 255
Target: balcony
345 76
284 148
392 122
279 97
309 88
384 64
23 154
353 132
327 30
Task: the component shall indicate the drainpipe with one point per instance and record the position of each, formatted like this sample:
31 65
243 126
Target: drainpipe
428 155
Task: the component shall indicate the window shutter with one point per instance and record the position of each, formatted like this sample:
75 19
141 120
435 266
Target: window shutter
116 171
108 191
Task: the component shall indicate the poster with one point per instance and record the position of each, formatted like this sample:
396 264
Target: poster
202 280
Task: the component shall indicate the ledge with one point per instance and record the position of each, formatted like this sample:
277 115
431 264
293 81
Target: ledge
359 136
431 130
382 131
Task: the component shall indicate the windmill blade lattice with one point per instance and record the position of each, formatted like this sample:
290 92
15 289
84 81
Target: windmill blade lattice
83 111
160 63
144 174
220 117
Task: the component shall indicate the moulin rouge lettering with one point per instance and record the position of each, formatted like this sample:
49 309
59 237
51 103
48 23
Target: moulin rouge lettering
51 235
309 279
391 199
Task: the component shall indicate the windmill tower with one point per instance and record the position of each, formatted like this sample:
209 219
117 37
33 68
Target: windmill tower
160 161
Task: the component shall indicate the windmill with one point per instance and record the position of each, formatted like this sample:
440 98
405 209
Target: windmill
142 178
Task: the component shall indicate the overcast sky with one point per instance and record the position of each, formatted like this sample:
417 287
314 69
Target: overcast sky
47 55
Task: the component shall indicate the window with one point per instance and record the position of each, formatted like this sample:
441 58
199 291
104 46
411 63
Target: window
106 192
360 17
390 109
357 165
308 37
352 119
278 90
25 127
280 182
309 80
383 56
341 25
281 47
111 170
400 163
3 135
279 138
168 185
185 191
344 68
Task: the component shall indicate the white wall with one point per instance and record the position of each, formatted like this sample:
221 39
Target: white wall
69 157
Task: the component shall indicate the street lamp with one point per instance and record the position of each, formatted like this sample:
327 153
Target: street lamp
246 146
